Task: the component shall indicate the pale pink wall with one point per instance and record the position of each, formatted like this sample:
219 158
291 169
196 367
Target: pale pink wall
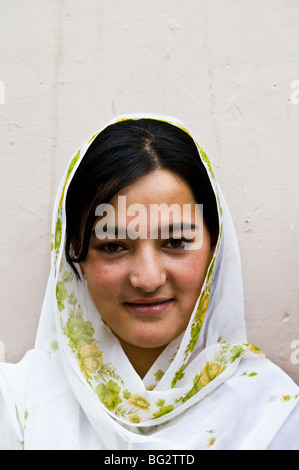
225 67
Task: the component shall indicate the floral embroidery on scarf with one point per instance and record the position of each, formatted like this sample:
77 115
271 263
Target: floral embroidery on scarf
55 245
212 439
210 372
109 394
54 347
206 160
26 416
163 410
198 321
139 402
158 375
90 360
287 398
251 374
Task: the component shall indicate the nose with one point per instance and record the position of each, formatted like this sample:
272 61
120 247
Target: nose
147 271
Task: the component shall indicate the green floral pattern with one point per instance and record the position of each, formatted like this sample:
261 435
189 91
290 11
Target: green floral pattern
109 394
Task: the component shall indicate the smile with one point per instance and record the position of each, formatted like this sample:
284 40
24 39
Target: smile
149 306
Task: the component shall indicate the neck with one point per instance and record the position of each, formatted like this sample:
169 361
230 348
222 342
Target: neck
141 359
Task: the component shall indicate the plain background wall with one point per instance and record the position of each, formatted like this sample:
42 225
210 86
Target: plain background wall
225 67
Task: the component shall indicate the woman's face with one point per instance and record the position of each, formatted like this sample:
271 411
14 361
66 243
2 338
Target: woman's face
146 288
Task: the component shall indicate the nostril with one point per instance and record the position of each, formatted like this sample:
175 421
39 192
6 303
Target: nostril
148 283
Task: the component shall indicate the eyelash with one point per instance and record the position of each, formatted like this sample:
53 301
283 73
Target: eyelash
104 247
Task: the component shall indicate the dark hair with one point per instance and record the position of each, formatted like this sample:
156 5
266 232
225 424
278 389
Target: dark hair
119 156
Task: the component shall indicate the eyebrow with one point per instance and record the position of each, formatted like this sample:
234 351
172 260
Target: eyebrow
115 231
179 226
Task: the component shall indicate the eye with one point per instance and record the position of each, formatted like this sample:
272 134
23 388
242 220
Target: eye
111 248
176 243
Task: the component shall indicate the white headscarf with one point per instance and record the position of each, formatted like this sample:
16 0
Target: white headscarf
208 389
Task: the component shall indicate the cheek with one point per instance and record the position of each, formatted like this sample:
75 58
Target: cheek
190 278
103 281
189 285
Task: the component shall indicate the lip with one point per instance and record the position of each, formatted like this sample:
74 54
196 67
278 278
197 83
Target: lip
149 306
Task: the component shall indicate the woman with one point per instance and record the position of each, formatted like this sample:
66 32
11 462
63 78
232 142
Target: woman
142 342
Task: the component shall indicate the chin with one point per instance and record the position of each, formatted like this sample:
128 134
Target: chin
151 341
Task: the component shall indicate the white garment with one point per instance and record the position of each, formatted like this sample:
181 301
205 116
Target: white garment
209 389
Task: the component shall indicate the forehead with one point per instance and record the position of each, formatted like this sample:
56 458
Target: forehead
160 186
155 205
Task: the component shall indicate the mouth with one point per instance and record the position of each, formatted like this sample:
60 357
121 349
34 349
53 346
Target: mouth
149 306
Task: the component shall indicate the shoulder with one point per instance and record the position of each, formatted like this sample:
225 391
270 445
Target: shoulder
287 438
13 387
273 398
